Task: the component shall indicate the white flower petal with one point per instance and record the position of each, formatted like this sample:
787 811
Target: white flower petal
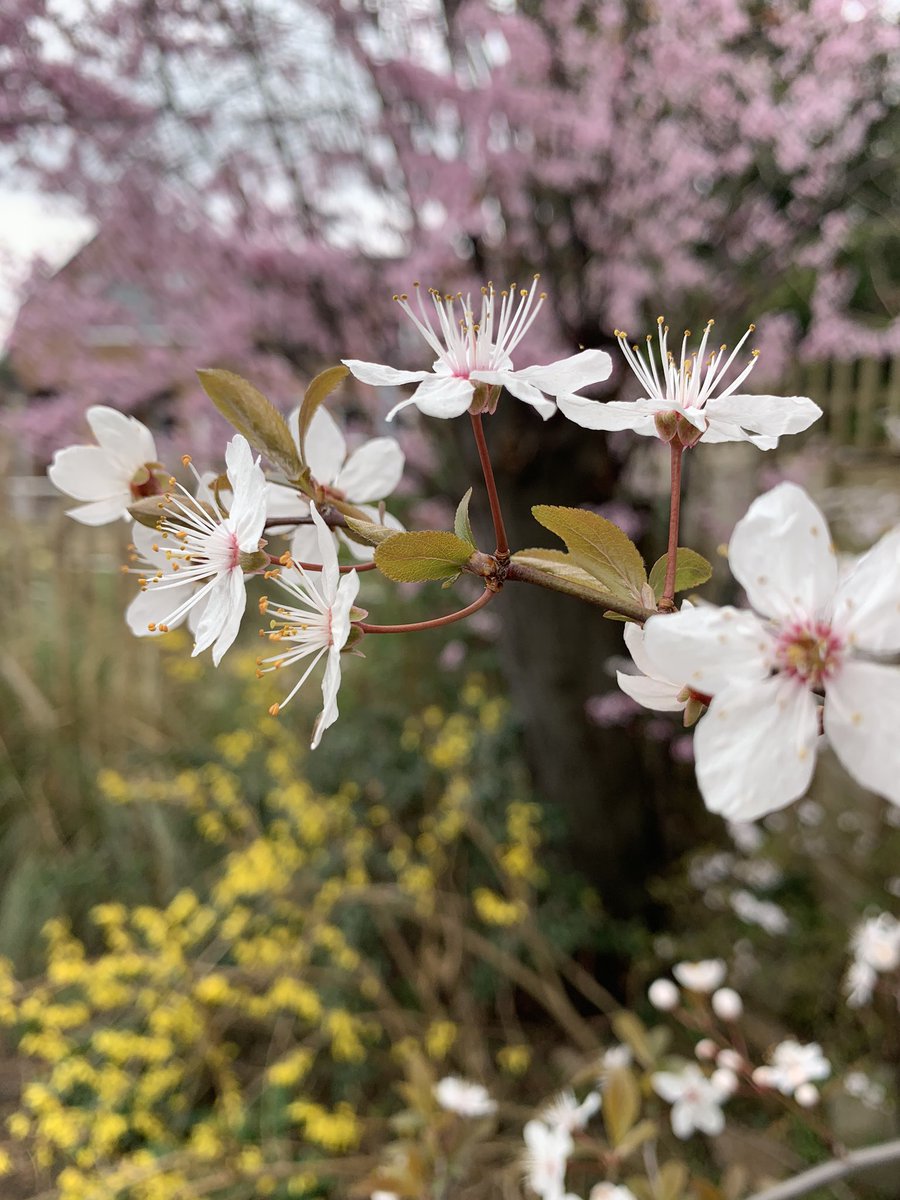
520 388
708 648
381 376
151 607
861 707
724 431
283 501
709 1118
781 554
439 397
237 602
126 439
668 1085
755 748
86 473
325 446
248 486
652 693
866 605
327 556
305 544
638 415
683 1120
570 374
347 591
331 683
769 415
218 610
371 472
101 512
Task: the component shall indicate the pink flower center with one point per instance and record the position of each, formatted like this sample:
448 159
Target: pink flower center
810 651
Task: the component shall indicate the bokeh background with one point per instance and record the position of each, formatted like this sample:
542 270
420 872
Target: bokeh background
245 184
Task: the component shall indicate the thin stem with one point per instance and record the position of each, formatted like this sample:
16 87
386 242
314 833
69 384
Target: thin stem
667 600
502 551
842 1168
435 622
307 566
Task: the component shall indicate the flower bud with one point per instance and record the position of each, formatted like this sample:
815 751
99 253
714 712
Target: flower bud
807 1095
666 425
727 1004
663 994
730 1059
706 1049
725 1081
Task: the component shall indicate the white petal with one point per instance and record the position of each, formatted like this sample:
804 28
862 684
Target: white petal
634 640
287 502
709 1118
371 472
861 707
126 439
781 554
305 544
518 387
217 615
652 693
668 1085
86 473
325 446
379 376
237 602
570 374
248 486
867 604
439 397
683 1120
327 556
770 415
708 648
347 591
101 512
610 414
755 748
151 607
725 431
331 682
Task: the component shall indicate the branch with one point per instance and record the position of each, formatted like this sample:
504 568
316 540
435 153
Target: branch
435 622
841 1168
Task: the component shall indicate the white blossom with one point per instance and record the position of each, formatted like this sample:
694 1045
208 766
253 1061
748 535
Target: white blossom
876 950
547 1150
696 1100
727 1004
703 976
316 625
464 1098
565 1112
611 1191
617 1057
791 1065
110 476
476 350
684 397
205 550
755 747
368 475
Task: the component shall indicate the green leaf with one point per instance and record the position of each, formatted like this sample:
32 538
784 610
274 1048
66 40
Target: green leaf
621 1104
598 547
461 525
671 1180
413 557
318 391
691 569
253 416
644 1131
369 532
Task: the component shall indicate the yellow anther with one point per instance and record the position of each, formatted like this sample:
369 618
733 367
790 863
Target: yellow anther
263 603
186 460
152 627
274 710
163 629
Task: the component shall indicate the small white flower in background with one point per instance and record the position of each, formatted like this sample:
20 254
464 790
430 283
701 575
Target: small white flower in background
807 1095
696 1101
706 1049
474 350
755 747
381 1195
316 625
871 1093
464 1098
684 398
876 950
730 1059
547 1151
362 478
703 976
611 1191
791 1065
725 1080
663 995
565 1112
205 549
765 913
110 476
616 1057
727 1004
